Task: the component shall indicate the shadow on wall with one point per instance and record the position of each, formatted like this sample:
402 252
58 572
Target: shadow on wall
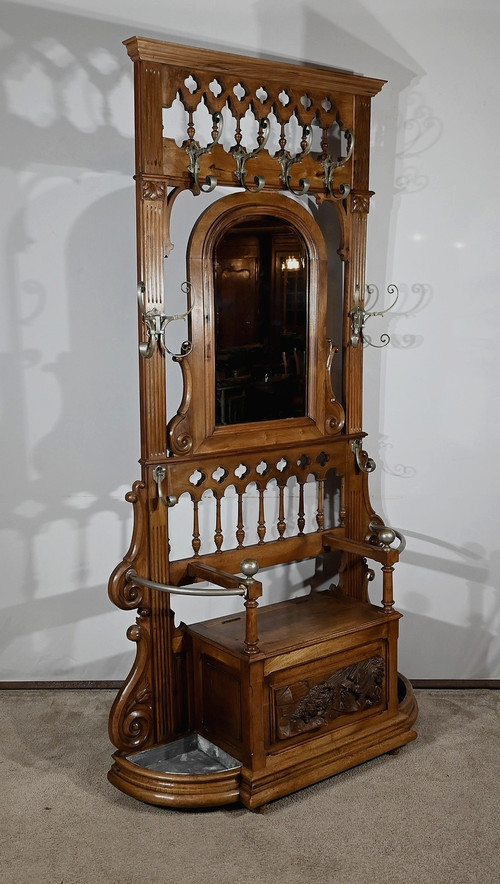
70 419
470 650
70 391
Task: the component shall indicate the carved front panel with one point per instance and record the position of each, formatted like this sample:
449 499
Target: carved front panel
310 703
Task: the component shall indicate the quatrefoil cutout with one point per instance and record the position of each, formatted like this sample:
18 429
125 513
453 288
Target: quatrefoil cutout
241 471
306 101
262 94
326 104
240 91
284 98
303 461
219 474
191 84
322 458
262 468
282 464
215 88
197 478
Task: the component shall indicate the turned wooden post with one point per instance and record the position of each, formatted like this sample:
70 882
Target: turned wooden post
249 567
388 599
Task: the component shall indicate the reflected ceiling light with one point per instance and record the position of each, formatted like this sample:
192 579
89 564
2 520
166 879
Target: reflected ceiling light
292 263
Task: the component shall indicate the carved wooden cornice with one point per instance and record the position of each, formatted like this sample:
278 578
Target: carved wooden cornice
176 55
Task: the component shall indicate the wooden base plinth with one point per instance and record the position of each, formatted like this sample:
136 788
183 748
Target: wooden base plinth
321 695
174 790
343 752
280 777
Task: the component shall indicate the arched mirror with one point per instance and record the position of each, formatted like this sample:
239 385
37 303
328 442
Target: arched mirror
261 322
260 358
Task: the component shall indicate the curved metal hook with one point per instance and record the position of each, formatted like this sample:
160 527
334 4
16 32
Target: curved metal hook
287 161
366 465
242 156
194 152
359 317
390 291
159 474
330 164
157 323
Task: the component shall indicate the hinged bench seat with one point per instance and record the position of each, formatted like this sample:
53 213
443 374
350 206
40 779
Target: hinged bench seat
325 670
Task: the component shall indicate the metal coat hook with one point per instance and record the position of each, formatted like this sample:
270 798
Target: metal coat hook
195 151
330 164
365 464
242 156
157 323
159 474
359 316
287 160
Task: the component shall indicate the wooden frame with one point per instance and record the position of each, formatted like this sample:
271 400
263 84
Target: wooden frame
194 427
253 684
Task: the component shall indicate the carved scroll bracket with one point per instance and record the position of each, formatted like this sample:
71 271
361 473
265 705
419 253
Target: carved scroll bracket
335 415
121 593
179 430
131 724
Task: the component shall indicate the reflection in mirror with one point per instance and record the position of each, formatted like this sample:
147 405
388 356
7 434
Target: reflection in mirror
261 322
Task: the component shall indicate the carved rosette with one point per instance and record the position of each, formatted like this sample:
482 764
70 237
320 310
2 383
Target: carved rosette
131 725
306 705
153 189
360 203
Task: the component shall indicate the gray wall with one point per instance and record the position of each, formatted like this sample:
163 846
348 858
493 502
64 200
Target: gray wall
70 436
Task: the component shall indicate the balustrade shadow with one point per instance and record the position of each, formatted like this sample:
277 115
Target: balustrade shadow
70 421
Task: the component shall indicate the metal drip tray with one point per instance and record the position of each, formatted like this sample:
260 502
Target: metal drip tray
189 755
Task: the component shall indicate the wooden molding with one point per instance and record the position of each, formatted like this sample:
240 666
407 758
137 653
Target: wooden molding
144 49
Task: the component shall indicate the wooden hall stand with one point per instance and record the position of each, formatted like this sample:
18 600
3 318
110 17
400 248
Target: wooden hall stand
255 704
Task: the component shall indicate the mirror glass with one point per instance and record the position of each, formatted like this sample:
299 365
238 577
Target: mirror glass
261 322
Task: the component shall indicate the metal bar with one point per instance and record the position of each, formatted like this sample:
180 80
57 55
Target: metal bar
132 577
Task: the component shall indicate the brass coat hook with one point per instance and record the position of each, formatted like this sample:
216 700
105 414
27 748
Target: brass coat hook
242 156
359 316
195 151
330 164
157 322
287 160
364 463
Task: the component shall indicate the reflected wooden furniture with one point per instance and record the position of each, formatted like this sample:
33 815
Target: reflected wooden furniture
283 694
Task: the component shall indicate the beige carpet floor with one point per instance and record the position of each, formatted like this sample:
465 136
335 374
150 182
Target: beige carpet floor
429 815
